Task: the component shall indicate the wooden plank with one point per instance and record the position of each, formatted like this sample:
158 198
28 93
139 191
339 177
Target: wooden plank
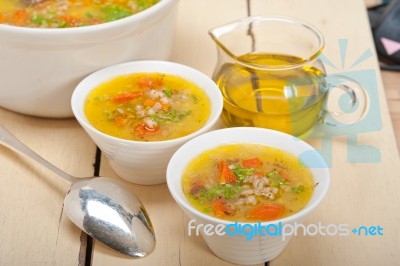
193 47
391 82
174 246
360 194
33 226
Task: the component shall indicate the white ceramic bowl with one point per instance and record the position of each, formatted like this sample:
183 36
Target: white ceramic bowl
135 161
237 249
41 67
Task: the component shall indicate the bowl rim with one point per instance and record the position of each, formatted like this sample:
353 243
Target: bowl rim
309 208
147 13
77 108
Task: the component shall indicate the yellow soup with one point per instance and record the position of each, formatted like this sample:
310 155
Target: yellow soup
147 107
68 13
247 183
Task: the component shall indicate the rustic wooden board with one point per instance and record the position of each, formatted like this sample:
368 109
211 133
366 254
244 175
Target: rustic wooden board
33 226
36 231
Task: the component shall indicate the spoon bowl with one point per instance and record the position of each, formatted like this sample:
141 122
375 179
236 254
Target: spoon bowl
101 207
110 214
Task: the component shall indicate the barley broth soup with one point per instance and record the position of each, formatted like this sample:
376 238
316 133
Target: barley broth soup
247 183
69 13
147 107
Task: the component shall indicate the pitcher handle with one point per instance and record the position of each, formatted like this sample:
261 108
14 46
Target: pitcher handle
347 101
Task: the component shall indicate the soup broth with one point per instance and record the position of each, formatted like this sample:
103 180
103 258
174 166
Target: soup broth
69 13
287 100
147 107
247 183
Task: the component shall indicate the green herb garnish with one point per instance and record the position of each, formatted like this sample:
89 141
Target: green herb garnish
168 92
115 12
158 119
298 189
227 191
195 99
276 179
241 173
175 117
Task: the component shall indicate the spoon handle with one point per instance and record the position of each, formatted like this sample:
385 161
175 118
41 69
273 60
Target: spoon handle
13 143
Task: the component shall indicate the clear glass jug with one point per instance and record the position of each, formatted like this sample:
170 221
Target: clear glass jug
270 76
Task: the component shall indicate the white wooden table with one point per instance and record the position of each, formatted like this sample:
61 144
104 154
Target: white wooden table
34 229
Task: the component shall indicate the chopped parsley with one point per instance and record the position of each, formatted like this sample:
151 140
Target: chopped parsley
168 92
227 191
298 189
276 179
241 173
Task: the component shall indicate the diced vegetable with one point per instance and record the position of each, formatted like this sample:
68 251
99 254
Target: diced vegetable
227 191
219 208
266 212
142 129
276 180
120 120
149 102
168 92
126 97
298 189
114 12
226 176
241 173
251 163
148 83
20 17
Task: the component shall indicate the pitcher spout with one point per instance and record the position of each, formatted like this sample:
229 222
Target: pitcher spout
234 38
268 35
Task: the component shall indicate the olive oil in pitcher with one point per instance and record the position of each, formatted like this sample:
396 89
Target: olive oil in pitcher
272 91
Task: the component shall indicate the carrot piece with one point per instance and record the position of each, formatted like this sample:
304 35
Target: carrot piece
260 173
69 20
284 174
149 102
165 106
147 83
226 175
252 163
266 212
219 207
20 17
120 120
141 129
126 97
144 83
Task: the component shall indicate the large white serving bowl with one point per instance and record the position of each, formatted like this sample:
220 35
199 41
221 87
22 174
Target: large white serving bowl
41 67
143 162
239 249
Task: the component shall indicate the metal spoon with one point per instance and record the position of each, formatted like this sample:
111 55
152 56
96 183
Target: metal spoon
100 206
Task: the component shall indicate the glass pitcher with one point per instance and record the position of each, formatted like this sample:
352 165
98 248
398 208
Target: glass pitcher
270 76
